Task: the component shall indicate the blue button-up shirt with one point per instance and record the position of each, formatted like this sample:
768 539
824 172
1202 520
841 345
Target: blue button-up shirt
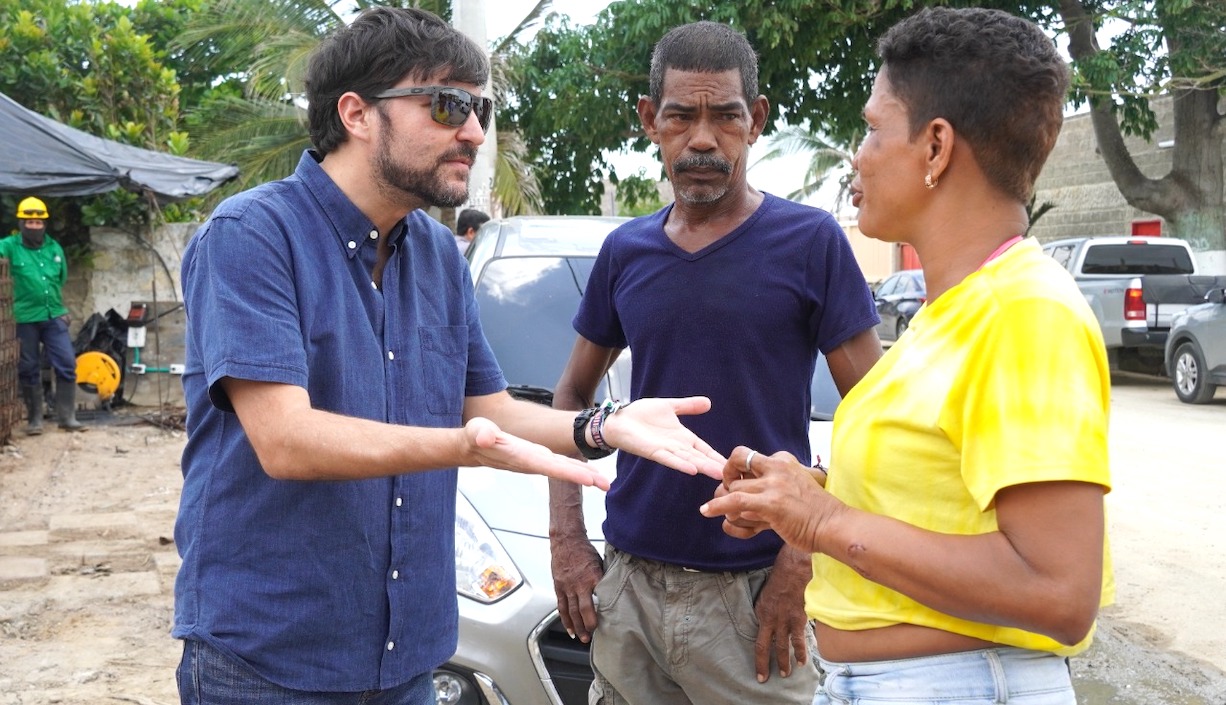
322 586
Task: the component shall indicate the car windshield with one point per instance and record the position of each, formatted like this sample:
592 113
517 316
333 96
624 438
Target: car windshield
563 237
527 304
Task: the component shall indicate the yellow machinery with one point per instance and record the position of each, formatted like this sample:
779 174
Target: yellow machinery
99 374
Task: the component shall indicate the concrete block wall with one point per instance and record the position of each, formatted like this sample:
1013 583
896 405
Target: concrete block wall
1076 180
126 268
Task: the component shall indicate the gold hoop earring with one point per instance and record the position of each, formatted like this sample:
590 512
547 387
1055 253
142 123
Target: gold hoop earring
929 182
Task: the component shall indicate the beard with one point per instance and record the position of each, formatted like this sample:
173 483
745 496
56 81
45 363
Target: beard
402 183
701 194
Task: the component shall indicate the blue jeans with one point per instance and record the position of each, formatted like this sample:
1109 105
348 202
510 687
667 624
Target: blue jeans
53 335
208 677
985 677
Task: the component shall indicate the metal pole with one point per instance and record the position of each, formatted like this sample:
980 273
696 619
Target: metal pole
468 16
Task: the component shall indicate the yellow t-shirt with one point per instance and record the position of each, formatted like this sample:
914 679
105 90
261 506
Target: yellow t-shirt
1001 381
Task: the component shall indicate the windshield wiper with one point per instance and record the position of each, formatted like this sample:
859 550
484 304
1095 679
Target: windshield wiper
528 392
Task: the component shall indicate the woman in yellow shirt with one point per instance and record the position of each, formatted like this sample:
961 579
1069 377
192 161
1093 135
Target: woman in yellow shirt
959 543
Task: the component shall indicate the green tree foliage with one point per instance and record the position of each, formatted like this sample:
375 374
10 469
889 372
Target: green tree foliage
574 100
1172 48
258 122
637 194
90 66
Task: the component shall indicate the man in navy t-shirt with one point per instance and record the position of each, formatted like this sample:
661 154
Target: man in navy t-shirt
731 293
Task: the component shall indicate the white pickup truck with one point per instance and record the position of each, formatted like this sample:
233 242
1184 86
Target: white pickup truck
1134 285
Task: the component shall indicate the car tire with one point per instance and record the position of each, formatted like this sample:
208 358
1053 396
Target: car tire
1189 376
900 327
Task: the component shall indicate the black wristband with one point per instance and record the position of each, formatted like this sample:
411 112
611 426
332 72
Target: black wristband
581 422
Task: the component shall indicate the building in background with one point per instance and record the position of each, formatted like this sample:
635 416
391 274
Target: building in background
1087 202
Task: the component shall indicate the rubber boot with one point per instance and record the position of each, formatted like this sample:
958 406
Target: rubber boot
66 405
33 396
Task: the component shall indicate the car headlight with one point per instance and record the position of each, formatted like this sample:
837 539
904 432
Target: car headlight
483 570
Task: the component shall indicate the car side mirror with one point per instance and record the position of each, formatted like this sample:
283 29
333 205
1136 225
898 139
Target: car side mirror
1216 296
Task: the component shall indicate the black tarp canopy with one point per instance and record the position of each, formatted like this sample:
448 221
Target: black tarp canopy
42 157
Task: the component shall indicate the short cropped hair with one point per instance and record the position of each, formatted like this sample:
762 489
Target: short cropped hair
470 218
995 77
382 47
704 47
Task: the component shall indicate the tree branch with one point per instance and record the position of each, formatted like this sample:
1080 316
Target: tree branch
1152 195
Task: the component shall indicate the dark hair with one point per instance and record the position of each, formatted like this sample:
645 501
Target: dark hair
379 49
470 218
995 77
704 47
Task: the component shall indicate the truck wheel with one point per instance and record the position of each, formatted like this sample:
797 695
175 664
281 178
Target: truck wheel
1189 380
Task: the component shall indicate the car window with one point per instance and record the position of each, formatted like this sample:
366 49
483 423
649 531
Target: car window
888 286
482 247
527 304
824 395
1061 254
1137 259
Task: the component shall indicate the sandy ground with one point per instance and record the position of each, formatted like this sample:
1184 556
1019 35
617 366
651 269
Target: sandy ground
87 562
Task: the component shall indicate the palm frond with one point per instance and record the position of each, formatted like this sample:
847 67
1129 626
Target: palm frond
825 158
542 8
515 185
264 138
265 41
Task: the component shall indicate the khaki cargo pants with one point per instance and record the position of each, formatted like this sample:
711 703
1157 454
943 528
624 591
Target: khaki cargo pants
671 636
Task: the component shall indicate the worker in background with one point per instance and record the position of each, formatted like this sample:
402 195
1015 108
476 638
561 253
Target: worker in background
466 227
39 271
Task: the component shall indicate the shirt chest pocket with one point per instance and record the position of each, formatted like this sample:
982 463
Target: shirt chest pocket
445 363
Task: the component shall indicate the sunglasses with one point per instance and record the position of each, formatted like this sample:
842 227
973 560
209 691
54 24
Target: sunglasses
448 106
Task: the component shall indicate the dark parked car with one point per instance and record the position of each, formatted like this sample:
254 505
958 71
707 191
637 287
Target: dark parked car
898 298
529 275
1196 349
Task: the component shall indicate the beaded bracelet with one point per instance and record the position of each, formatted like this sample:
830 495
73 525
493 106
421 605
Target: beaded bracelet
606 409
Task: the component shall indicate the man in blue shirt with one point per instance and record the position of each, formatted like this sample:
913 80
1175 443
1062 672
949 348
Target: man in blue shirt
334 356
729 292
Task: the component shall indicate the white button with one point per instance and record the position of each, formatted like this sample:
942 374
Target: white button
391 645
391 355
399 501
395 575
374 234
352 244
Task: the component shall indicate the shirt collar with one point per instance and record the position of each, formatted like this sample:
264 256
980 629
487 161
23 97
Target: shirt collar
351 226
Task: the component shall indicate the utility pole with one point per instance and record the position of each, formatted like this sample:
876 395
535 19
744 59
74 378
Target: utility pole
468 16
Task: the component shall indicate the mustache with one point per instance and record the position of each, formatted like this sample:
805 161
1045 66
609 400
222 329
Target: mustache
466 151
702 161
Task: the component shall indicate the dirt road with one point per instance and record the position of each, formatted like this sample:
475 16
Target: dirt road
87 564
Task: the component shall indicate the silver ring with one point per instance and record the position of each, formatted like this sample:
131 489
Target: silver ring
749 461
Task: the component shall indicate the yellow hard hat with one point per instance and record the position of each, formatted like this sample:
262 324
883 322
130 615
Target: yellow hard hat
31 208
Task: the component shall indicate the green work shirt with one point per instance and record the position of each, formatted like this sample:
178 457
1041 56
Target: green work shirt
38 279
